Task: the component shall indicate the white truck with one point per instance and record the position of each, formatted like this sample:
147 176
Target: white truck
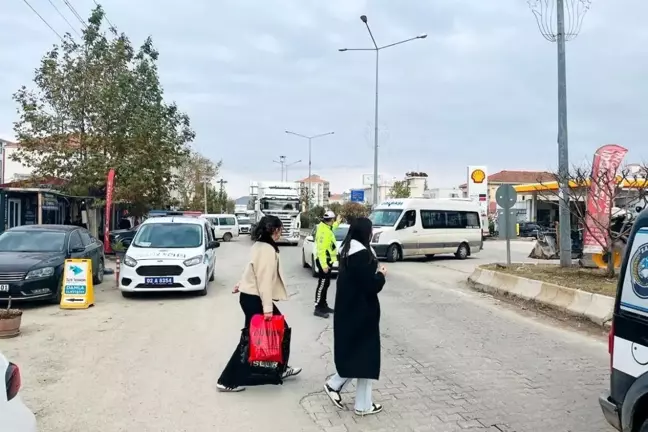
281 199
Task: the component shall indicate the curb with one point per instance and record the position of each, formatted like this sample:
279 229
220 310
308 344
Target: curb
596 308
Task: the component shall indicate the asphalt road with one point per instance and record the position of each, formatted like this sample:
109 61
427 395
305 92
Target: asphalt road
453 359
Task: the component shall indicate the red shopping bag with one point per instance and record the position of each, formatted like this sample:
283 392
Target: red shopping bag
266 339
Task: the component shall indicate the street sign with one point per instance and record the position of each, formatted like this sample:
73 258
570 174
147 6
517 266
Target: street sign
77 289
357 195
506 197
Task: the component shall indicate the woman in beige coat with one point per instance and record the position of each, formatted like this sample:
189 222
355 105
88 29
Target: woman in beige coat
261 285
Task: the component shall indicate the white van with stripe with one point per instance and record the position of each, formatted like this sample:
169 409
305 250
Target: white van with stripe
625 404
406 228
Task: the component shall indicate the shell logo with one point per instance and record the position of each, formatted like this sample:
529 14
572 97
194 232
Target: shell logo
478 176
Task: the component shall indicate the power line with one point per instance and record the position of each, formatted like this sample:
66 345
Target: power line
106 16
63 16
43 19
76 14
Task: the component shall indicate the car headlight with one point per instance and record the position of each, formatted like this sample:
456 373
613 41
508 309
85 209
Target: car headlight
376 237
193 261
40 273
130 262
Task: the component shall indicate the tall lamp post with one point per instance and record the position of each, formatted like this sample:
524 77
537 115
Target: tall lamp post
282 162
377 49
310 140
560 31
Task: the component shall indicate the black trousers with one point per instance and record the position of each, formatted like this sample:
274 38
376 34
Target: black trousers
323 283
237 373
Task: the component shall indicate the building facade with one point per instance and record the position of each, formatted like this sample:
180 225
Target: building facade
320 190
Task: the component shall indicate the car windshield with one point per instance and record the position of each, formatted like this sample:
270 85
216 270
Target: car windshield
279 205
244 221
169 235
341 233
32 241
385 218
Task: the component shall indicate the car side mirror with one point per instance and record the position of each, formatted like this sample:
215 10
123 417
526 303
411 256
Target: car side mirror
126 242
77 249
213 244
309 238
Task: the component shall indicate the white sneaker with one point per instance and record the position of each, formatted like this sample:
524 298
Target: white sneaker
223 389
375 409
291 372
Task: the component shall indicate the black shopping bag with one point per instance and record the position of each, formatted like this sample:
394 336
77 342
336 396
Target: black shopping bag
263 373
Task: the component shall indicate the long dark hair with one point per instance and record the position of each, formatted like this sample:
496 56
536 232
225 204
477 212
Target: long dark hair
264 229
360 230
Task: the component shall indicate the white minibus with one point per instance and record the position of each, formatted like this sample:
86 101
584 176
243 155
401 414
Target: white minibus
404 228
225 225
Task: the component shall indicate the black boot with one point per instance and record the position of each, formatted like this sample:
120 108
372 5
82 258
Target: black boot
321 312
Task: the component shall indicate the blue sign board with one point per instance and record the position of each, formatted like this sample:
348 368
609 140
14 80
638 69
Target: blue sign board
357 195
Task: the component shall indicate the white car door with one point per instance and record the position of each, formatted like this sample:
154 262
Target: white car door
408 232
211 253
309 248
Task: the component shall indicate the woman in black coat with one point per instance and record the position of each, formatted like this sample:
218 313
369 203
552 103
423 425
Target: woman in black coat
356 323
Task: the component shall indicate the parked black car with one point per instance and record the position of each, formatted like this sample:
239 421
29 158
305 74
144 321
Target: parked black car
125 236
32 258
530 229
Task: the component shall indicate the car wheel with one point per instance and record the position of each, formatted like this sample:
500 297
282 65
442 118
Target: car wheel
203 292
227 237
99 277
394 253
56 299
304 264
213 275
314 268
462 252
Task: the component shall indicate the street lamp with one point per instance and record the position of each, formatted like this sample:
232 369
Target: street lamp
310 139
377 49
558 31
282 162
289 165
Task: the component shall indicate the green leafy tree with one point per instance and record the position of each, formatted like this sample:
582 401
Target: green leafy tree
400 189
336 208
351 210
97 104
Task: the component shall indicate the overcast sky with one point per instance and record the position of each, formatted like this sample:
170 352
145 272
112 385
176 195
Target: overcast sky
480 90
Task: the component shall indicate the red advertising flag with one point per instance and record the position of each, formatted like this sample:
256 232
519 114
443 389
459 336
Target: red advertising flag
110 186
597 219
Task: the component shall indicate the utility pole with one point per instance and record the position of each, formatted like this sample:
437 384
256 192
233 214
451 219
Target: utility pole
560 31
221 194
205 180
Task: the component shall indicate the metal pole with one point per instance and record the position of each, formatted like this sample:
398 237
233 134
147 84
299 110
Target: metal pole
205 190
310 186
563 151
375 182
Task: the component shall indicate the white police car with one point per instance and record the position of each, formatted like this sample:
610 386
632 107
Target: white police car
173 253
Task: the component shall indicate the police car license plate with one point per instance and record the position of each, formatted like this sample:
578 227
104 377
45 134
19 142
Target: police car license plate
158 281
4 288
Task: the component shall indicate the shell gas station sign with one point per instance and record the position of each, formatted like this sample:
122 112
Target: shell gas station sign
478 187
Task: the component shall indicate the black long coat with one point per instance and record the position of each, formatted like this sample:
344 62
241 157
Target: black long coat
356 322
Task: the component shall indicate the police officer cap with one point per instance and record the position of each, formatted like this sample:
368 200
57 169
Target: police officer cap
329 215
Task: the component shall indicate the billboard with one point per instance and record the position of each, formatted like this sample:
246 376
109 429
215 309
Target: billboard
477 185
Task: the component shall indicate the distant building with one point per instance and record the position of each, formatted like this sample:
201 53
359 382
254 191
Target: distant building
336 198
320 189
444 193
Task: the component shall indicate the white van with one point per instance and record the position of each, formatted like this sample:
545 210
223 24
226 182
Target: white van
404 228
169 253
225 226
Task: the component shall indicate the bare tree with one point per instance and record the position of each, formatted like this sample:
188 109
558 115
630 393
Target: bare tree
604 203
191 173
